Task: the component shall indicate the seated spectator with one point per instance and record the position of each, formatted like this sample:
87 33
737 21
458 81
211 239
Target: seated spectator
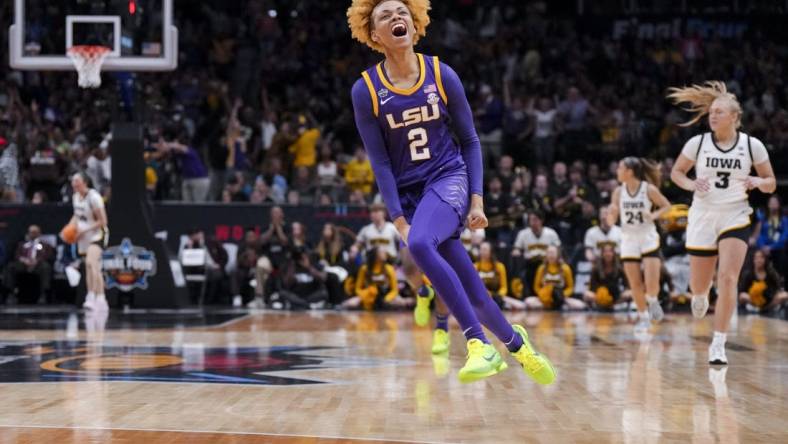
379 233
773 233
570 198
376 283
760 287
261 193
505 173
518 202
273 250
38 198
607 286
493 274
235 188
246 269
553 284
357 197
531 245
330 253
540 198
330 249
276 181
32 257
601 235
358 173
298 237
303 185
496 206
301 284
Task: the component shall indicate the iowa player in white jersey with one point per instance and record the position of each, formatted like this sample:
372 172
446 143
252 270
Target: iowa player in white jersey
639 203
719 218
92 236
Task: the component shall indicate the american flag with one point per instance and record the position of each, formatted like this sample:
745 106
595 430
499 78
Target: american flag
431 88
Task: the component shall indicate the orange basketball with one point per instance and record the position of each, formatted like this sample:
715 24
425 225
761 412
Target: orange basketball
69 233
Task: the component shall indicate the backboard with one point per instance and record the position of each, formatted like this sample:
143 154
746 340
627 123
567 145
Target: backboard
140 33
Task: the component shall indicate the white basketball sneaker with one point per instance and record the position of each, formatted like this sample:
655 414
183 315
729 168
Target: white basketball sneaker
717 353
101 304
655 310
700 305
90 302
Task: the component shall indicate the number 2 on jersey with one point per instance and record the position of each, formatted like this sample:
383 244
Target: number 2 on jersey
418 139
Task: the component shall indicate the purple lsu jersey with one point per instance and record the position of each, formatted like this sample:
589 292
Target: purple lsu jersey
415 123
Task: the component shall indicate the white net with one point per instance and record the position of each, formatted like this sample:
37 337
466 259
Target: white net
88 60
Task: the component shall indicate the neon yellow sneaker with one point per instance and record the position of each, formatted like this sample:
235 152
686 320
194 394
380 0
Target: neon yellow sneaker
440 364
421 314
535 364
483 361
440 341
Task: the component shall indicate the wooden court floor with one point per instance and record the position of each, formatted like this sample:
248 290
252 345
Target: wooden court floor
334 377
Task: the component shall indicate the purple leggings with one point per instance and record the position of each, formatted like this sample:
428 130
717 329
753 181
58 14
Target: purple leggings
437 250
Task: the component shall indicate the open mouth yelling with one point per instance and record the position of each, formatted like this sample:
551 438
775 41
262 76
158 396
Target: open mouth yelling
399 30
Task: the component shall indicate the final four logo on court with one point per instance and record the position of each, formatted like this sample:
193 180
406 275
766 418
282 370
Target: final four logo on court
127 266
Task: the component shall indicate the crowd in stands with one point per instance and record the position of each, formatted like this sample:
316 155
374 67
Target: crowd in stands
259 111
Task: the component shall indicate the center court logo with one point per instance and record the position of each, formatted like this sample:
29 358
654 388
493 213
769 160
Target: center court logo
58 361
127 266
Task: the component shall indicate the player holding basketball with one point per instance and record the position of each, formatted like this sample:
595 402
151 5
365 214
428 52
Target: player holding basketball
719 218
639 203
92 236
402 107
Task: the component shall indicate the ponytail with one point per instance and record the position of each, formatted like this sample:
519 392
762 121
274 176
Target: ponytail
700 98
644 169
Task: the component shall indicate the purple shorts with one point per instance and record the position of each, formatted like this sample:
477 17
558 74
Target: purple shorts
452 189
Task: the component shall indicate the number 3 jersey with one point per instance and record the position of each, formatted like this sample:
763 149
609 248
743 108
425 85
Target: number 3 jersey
726 170
415 124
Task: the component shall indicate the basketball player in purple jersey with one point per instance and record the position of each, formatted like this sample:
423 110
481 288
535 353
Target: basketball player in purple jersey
403 107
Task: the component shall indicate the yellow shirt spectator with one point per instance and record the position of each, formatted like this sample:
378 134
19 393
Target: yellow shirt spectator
556 275
370 283
358 173
493 275
305 148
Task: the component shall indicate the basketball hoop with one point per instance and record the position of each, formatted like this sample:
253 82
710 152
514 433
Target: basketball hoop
88 60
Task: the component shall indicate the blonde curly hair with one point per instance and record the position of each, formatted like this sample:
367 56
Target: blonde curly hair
700 98
359 17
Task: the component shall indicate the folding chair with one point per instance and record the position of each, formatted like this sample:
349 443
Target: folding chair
193 262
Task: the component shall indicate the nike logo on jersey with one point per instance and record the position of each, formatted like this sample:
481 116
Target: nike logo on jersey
383 102
714 162
415 115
